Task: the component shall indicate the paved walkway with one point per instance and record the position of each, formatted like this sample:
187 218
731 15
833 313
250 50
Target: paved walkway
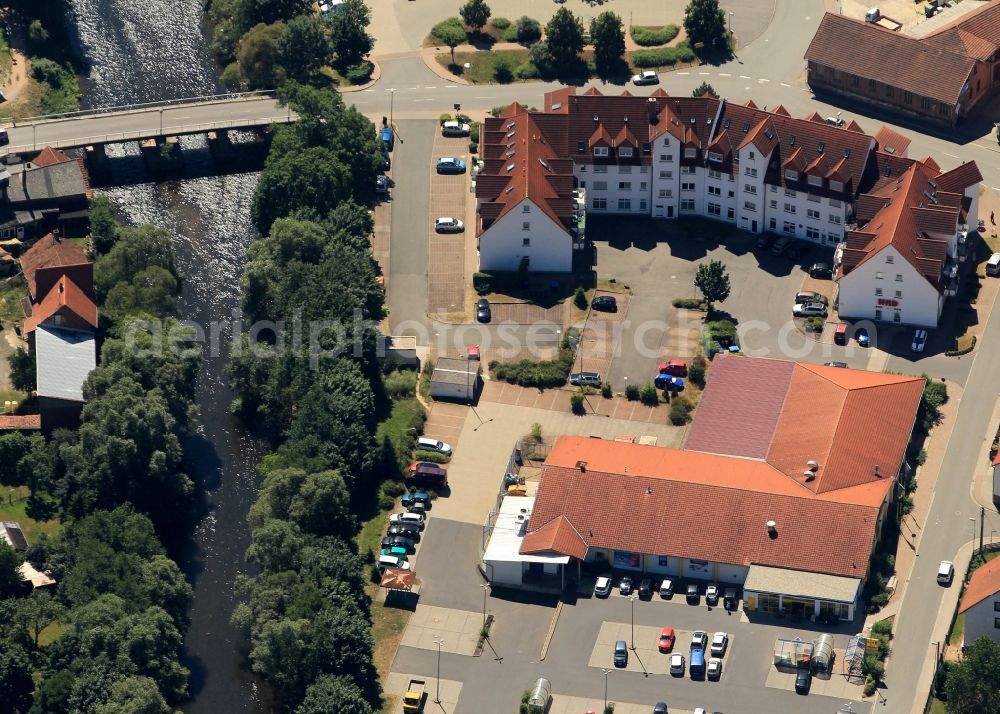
457 628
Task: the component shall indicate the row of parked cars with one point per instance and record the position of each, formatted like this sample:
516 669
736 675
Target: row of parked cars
647 585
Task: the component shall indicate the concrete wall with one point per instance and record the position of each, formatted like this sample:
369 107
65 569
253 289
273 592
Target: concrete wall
919 302
504 572
502 245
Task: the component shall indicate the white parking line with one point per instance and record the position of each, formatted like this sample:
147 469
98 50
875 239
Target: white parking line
423 100
683 73
725 74
430 87
947 154
450 86
785 85
762 81
743 76
704 73
367 90
484 97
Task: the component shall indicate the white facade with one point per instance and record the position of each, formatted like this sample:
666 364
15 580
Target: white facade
983 618
887 288
526 230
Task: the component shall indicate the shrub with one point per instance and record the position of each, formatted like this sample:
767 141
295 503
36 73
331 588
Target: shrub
648 395
435 457
921 457
500 23
528 30
632 392
576 403
530 373
680 411
474 131
580 298
444 117
473 147
386 502
393 489
482 283
400 384
232 78
502 70
877 601
685 53
358 73
882 627
696 372
606 390
665 57
871 666
536 432
652 36
815 324
441 30
869 686
688 303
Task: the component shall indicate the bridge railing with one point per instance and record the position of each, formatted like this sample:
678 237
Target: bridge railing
125 108
141 134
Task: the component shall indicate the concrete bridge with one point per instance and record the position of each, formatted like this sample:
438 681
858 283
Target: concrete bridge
146 121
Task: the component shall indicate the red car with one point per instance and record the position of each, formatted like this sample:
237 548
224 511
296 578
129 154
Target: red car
675 368
426 472
667 639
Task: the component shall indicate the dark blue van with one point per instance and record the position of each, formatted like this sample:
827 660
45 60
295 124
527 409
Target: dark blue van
697 663
388 138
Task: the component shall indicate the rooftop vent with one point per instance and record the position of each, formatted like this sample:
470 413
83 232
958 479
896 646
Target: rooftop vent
693 120
878 471
508 189
582 465
809 475
596 118
510 166
558 105
649 491
821 147
772 529
812 465
791 140
625 119
847 153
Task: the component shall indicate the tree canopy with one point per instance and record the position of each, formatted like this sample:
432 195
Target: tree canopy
349 32
713 282
258 56
564 36
705 22
608 37
475 14
973 683
304 47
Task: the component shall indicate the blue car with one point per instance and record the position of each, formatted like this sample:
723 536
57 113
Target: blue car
666 381
862 337
450 165
411 497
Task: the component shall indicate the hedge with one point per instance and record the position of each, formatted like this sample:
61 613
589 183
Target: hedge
439 30
689 303
435 457
500 23
663 57
680 411
652 36
530 373
965 351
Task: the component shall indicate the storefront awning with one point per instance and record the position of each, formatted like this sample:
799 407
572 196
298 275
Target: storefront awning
802 584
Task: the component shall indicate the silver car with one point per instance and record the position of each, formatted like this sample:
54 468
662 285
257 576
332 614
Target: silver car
585 379
809 309
448 224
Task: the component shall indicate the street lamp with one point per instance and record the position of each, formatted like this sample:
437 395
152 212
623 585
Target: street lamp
606 673
486 589
392 97
973 521
34 142
161 120
437 697
731 23
631 599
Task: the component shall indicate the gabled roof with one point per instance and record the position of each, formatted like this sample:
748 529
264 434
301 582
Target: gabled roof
891 142
556 536
872 52
65 295
983 24
960 178
985 581
50 251
49 156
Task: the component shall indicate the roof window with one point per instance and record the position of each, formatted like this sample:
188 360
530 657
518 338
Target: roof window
768 133
510 134
821 147
510 166
510 125
791 140
847 153
544 164
726 123
746 127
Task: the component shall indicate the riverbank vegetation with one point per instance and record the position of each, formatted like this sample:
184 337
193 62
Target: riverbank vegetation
318 400
262 43
114 623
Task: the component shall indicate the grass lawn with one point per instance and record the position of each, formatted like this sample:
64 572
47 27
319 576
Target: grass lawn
957 630
11 293
407 416
483 64
15 512
51 633
936 706
964 342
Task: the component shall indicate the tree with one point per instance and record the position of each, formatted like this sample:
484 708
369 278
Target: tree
12 584
704 88
973 683
37 612
135 250
258 56
713 282
304 48
475 14
134 695
312 177
608 37
349 32
334 695
14 446
279 654
564 36
451 34
705 22
103 226
22 370
529 30
252 12
152 291
16 683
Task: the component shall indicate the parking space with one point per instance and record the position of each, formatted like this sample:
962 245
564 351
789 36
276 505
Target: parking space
601 336
459 629
444 423
647 656
523 313
447 690
446 251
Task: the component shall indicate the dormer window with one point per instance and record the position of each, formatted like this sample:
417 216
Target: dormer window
690 153
581 146
625 152
836 185
646 147
600 151
791 175
715 156
815 180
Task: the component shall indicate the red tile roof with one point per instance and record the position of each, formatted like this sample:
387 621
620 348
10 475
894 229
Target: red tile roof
898 60
647 499
49 157
982 23
556 536
985 581
64 296
891 142
20 422
51 251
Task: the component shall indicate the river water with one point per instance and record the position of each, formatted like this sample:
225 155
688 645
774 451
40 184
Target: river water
152 50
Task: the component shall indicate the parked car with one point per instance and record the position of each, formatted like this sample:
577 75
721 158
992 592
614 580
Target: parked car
426 472
946 571
665 381
428 444
803 680
386 161
696 663
781 245
585 379
667 639
919 340
450 165
764 242
712 594
455 128
835 364
411 497
406 530
820 270
693 595
729 599
861 335
416 506
809 309
714 668
660 708
675 367
647 77
483 312
646 588
993 264
382 184
605 303
447 224
392 561
625 585
602 588
677 664
396 550
699 640
388 138
399 542
4 137
808 296
720 641
416 519
621 653
667 589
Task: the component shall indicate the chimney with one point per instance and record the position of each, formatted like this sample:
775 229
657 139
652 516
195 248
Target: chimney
582 465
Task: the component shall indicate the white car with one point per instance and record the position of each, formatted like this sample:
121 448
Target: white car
719 643
714 668
433 445
454 128
603 586
648 77
809 309
712 594
667 588
677 663
416 519
699 638
447 224
919 340
946 571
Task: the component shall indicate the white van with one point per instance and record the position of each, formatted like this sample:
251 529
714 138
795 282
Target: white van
416 519
993 265
946 571
392 561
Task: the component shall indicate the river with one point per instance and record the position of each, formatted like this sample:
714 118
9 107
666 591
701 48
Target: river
153 50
